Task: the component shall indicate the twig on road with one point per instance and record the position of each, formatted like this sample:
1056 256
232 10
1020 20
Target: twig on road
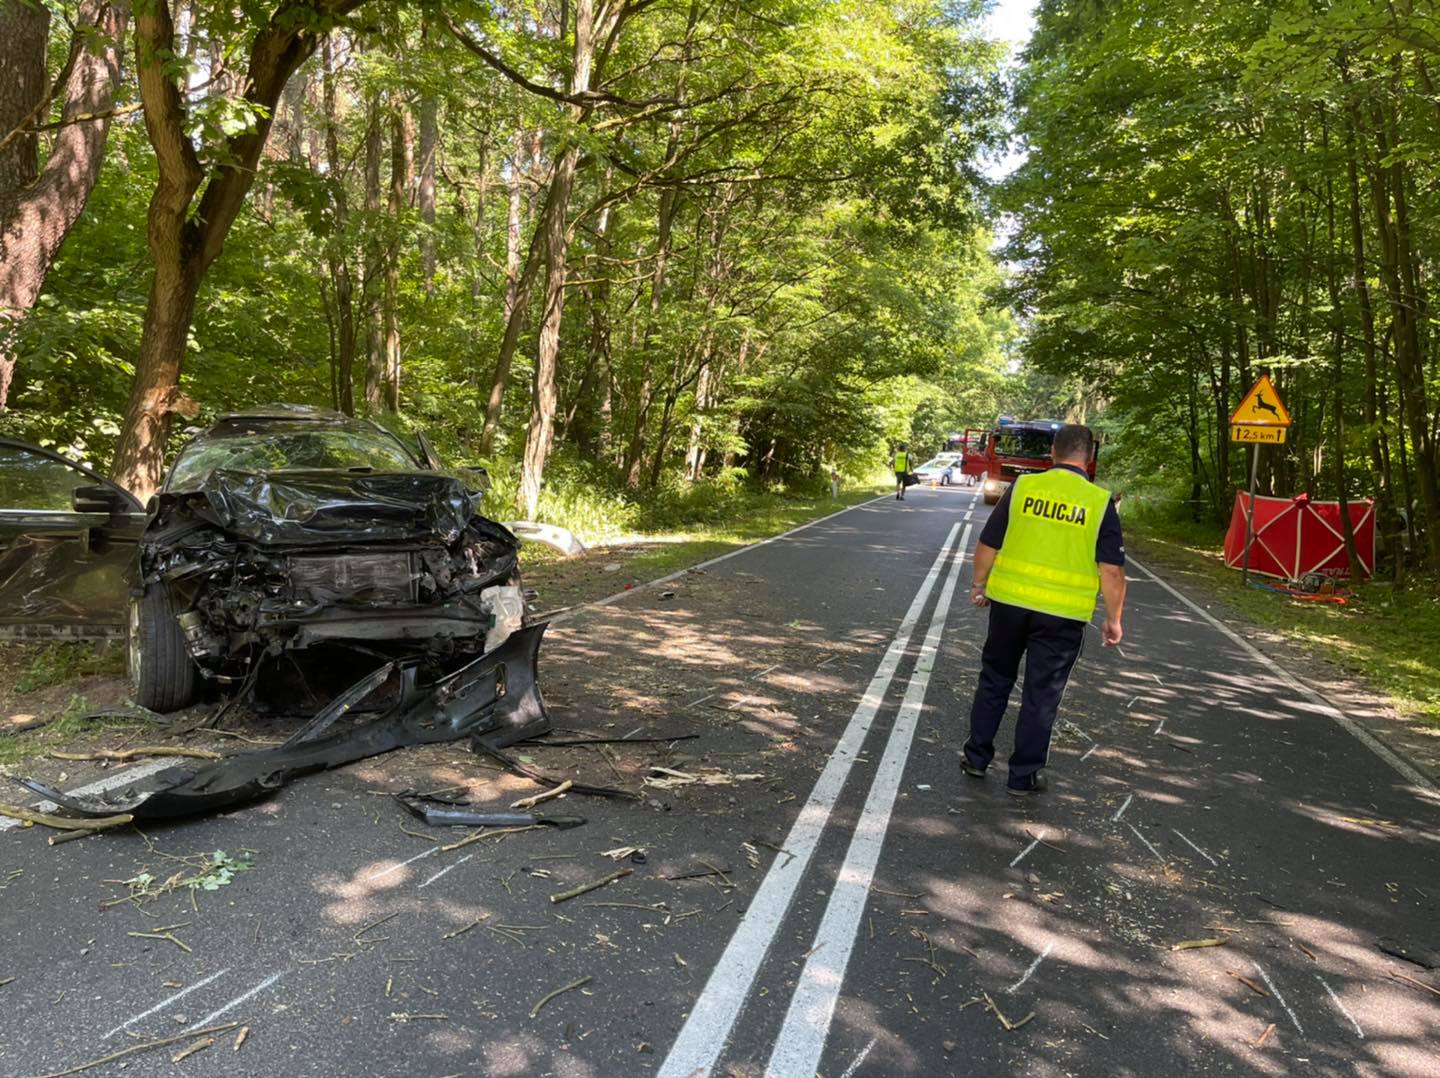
540 1003
198 1046
545 795
134 1048
1266 1035
1010 1026
467 928
585 888
1412 980
130 754
64 823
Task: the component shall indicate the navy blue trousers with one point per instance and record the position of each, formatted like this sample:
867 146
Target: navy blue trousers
1050 646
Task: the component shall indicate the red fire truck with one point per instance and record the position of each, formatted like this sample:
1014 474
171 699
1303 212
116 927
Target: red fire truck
1011 448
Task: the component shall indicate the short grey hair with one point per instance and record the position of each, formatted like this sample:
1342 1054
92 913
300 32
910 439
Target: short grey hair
1074 441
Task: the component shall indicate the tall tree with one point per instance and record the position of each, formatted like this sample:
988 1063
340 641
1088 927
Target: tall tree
186 234
39 204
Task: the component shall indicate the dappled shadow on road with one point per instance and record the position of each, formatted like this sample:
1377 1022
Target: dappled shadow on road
1243 818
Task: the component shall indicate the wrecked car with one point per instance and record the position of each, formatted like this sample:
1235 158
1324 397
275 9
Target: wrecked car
277 532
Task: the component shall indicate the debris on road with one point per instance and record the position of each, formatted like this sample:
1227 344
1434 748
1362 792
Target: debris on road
148 1046
208 872
593 885
439 813
131 754
668 778
199 1046
1010 1026
540 1003
240 1038
546 795
1191 945
1247 982
64 823
494 700
1266 1035
405 1016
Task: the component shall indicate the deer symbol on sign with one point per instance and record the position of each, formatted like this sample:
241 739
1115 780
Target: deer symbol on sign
1261 406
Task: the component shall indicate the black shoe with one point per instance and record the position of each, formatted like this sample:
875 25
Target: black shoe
971 770
1037 785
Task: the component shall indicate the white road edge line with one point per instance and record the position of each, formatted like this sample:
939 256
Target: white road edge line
1024 853
1364 736
109 782
165 1003
566 615
1278 997
1148 844
1196 848
1121 810
266 983
1340 1006
855 1066
1033 967
801 1041
708 1026
447 868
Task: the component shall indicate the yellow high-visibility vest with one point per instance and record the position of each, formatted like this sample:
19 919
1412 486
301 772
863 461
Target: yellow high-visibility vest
902 462
1048 560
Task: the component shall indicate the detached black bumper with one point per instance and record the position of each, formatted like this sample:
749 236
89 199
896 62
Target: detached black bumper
495 700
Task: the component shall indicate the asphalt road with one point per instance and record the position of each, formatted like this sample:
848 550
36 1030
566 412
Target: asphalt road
860 893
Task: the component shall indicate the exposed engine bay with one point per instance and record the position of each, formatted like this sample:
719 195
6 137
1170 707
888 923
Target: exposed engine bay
400 564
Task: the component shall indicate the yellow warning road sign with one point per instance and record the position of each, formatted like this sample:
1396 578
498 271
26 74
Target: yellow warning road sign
1261 407
1250 433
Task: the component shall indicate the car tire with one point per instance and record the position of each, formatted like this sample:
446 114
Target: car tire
162 674
992 499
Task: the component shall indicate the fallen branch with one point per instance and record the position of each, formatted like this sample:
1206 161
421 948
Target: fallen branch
539 1005
146 1047
1412 980
63 823
198 1046
85 832
586 888
535 799
130 754
1247 982
1010 1026
1266 1035
1191 945
482 833
467 928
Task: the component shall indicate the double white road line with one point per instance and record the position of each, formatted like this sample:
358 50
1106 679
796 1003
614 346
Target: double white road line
802 1038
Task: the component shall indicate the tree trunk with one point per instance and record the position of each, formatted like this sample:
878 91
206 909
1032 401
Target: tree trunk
345 335
516 300
425 192
373 287
185 238
401 161
38 208
557 243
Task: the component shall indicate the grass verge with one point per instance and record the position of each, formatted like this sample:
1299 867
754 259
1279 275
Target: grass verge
1389 639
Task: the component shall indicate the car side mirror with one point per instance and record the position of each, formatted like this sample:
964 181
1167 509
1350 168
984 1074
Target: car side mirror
99 499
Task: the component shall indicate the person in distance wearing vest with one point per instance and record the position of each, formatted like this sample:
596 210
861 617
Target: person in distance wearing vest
901 464
1051 543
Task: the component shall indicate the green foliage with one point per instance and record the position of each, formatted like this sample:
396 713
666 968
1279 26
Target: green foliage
56 662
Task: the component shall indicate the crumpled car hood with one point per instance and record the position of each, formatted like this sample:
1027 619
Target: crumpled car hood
323 506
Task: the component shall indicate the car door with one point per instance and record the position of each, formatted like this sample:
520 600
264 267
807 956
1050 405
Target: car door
67 546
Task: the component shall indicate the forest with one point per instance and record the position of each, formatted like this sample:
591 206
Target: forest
1215 191
642 249
622 245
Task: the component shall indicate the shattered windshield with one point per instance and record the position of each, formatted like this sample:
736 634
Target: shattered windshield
302 447
1010 442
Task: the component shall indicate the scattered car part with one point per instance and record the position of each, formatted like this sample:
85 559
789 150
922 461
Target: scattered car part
439 813
552 535
494 700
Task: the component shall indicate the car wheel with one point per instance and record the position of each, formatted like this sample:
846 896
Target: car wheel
992 499
162 674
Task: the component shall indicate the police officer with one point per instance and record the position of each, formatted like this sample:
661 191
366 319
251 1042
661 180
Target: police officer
1051 543
901 463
